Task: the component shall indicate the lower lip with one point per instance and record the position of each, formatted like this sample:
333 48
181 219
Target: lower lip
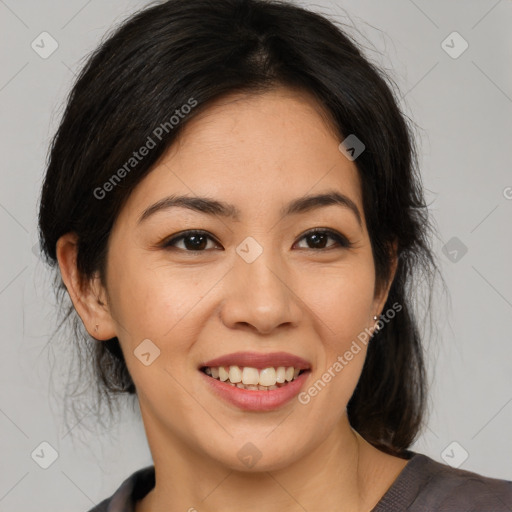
252 400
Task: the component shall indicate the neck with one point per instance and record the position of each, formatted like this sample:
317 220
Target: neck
343 473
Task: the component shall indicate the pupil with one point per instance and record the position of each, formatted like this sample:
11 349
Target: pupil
316 237
199 241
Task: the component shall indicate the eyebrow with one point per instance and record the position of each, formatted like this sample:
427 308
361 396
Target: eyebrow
210 206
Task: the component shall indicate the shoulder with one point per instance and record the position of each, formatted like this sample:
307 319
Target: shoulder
135 487
427 485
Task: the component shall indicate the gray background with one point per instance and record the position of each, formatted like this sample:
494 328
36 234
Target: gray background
463 107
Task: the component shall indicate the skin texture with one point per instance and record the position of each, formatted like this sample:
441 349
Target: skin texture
312 302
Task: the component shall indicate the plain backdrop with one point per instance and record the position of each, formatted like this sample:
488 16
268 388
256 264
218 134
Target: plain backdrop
462 104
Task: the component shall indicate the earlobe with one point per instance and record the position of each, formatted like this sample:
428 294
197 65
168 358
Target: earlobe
88 295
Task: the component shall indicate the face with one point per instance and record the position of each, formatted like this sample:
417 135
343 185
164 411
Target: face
254 280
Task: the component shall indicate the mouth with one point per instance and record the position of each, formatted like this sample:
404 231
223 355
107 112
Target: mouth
254 379
256 382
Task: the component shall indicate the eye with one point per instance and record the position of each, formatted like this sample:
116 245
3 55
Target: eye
319 236
197 240
192 241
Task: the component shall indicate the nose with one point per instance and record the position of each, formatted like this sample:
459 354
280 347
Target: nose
260 296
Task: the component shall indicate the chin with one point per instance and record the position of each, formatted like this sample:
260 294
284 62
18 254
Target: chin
254 454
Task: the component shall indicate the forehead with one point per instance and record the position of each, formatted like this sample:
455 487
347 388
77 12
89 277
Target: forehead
255 150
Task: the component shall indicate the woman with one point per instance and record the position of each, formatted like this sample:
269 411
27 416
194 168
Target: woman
233 203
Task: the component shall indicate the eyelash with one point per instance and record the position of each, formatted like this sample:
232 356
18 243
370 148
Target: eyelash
342 241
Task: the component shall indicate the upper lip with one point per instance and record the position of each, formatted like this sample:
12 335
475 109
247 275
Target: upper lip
258 360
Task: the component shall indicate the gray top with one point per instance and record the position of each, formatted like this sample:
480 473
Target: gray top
423 485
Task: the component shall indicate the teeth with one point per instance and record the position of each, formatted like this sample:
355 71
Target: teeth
223 374
252 378
268 377
235 374
252 387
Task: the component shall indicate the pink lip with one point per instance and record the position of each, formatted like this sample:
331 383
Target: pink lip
259 361
249 400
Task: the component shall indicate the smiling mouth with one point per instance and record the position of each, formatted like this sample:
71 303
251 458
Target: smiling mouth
254 379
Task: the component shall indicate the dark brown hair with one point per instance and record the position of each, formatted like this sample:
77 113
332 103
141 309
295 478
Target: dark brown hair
166 54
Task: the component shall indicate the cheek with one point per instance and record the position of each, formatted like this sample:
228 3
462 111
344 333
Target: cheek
340 297
158 302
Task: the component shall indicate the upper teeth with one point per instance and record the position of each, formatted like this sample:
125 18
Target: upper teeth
252 376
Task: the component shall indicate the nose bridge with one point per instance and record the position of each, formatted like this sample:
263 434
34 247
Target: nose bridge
258 293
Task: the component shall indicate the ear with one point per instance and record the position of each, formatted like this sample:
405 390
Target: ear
89 296
382 295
